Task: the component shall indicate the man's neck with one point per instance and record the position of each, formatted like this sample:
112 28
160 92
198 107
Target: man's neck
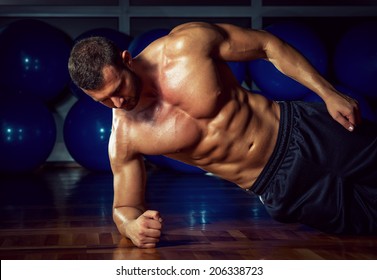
148 76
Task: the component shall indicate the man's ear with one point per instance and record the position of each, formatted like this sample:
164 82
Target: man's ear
127 58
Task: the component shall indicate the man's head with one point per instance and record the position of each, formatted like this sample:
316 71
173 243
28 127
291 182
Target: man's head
101 70
89 57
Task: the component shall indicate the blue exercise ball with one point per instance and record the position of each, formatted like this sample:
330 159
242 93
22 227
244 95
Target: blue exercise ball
27 134
168 163
140 42
122 40
312 97
34 57
355 59
238 70
277 85
86 131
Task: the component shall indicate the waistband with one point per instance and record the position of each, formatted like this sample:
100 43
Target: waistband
278 154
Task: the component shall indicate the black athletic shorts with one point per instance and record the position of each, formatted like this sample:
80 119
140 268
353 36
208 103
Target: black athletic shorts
320 174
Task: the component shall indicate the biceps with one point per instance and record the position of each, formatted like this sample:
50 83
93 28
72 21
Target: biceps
242 44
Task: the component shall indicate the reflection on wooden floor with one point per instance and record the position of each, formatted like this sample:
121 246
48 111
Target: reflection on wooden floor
66 214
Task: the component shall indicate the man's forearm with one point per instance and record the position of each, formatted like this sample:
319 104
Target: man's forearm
293 64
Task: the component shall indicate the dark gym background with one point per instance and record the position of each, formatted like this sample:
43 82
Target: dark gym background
330 18
63 211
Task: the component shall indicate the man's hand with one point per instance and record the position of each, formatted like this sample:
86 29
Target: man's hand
145 231
344 110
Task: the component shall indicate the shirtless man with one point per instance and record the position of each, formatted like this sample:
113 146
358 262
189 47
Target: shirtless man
178 98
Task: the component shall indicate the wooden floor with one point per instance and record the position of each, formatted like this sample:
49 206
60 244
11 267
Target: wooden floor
65 213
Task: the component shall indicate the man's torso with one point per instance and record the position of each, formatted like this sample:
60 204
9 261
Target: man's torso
200 115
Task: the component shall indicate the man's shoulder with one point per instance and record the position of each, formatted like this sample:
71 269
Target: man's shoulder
191 36
192 26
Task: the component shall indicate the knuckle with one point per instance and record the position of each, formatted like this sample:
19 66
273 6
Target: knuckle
141 234
143 224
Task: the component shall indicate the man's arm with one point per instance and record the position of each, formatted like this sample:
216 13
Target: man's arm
132 219
232 43
291 63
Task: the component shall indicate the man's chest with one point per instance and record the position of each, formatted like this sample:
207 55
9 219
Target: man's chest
163 129
192 85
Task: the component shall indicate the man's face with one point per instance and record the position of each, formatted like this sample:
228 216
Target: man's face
120 89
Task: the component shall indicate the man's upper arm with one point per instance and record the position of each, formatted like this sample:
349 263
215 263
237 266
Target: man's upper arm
243 44
129 183
224 41
128 169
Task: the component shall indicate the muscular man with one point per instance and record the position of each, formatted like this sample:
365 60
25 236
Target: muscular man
179 98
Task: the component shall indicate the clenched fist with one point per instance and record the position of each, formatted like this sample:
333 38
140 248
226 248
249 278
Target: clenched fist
145 231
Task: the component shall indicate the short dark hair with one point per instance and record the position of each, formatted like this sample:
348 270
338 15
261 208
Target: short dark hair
88 58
